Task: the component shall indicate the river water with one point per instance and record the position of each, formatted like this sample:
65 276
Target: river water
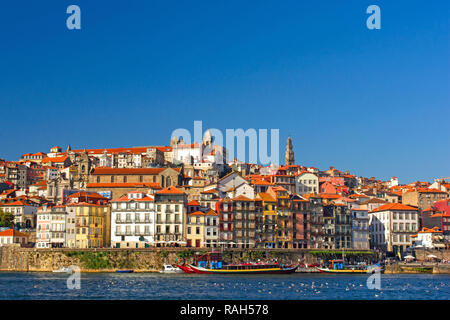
299 286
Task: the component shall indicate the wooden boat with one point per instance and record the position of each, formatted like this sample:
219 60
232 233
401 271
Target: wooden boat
186 269
338 267
247 268
327 270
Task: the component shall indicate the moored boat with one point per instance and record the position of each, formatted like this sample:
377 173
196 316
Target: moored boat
186 269
168 268
61 270
247 268
124 271
338 267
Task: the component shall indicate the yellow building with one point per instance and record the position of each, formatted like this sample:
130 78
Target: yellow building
284 217
269 208
195 229
90 224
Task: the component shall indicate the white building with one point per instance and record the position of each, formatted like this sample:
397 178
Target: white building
211 229
392 225
52 173
201 154
51 227
230 181
306 182
393 182
429 238
170 208
360 229
244 189
133 221
104 160
10 236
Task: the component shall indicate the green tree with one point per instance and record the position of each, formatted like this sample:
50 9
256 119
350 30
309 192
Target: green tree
6 219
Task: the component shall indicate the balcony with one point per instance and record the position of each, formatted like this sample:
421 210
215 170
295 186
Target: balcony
142 233
81 225
124 233
143 221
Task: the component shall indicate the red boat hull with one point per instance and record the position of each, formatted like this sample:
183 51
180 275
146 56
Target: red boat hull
186 269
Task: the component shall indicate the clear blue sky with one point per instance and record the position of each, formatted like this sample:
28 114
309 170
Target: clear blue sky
375 102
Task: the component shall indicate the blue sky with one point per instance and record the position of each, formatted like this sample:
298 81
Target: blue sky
375 102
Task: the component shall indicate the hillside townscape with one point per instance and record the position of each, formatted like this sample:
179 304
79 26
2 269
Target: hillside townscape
181 196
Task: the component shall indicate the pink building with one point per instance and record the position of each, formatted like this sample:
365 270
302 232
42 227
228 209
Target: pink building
339 181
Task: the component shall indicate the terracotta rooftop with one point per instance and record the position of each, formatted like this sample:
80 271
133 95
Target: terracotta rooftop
394 207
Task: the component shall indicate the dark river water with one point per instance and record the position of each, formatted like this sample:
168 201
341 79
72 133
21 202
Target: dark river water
183 286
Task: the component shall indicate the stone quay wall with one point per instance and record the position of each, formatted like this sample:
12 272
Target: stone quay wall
15 258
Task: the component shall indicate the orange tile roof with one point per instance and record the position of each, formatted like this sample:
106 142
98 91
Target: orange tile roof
264 196
278 188
211 212
40 183
16 203
356 195
394 207
84 204
12 232
328 196
242 198
196 213
135 150
425 190
87 194
152 185
125 198
193 203
126 171
170 190
432 230
261 182
54 159
210 191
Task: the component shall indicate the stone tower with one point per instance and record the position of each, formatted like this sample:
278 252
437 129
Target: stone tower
289 152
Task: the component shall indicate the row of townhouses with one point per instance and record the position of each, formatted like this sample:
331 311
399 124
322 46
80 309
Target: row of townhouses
190 195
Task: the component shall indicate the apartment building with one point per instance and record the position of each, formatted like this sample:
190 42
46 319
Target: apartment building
133 221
